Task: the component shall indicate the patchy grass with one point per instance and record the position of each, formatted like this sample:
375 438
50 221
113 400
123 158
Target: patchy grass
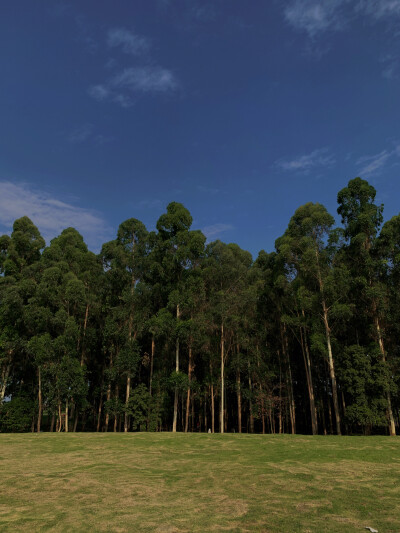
198 483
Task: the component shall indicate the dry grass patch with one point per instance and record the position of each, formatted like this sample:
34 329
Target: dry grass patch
179 483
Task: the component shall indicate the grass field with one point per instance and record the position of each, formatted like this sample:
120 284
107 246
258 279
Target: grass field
198 482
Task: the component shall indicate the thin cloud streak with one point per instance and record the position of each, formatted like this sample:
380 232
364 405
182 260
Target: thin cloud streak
49 214
145 80
129 42
376 163
315 17
122 88
216 229
307 162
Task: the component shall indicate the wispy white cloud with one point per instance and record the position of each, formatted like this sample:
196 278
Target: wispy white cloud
99 92
305 163
130 42
145 80
216 229
377 9
315 17
49 214
132 81
373 165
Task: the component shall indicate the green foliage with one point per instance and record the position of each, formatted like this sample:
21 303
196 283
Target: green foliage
76 329
16 415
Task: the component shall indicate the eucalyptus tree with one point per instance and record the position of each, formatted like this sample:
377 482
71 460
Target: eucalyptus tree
19 254
177 251
124 259
362 219
274 298
226 270
304 245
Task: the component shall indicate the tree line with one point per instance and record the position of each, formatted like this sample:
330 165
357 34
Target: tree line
162 331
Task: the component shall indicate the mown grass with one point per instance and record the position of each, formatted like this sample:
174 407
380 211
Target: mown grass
198 482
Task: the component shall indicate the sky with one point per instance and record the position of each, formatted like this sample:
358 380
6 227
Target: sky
240 110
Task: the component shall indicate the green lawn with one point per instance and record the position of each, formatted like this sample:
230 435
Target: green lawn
198 482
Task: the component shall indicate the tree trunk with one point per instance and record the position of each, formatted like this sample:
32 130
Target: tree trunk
128 390
190 367
84 335
5 374
251 404
239 400
222 379
108 398
66 416
176 370
392 427
40 407
331 367
153 348
76 421
307 364
289 379
59 417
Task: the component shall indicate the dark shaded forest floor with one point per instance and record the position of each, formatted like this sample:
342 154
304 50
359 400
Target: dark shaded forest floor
198 482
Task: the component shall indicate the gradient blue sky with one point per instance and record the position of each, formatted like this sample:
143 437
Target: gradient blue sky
241 110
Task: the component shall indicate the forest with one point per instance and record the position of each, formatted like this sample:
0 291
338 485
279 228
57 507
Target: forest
162 331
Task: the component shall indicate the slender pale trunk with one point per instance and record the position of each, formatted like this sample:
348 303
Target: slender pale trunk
280 395
6 373
40 407
59 425
392 426
250 402
190 368
307 364
128 390
84 334
239 401
174 423
153 348
261 392
130 329
108 398
107 420
222 379
100 402
328 344
289 379
66 416
331 369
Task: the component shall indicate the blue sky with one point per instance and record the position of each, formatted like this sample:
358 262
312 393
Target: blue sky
241 110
